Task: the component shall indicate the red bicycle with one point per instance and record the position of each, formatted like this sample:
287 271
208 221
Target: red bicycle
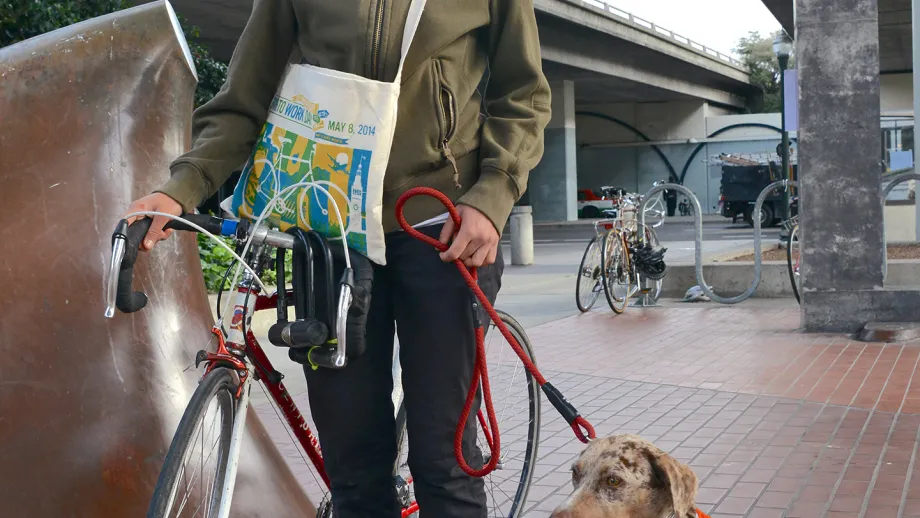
199 470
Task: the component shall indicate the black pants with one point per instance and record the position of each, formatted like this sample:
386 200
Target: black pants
428 304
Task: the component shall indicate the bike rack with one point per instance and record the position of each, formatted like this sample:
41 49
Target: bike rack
698 222
895 181
645 300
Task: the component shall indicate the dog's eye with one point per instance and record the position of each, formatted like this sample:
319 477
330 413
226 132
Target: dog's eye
614 481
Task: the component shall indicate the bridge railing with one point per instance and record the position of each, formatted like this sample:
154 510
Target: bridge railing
714 54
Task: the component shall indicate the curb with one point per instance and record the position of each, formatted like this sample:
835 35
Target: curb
730 279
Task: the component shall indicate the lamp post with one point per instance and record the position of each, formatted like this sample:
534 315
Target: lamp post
782 47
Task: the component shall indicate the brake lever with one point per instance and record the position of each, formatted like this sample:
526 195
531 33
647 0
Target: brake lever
346 297
119 242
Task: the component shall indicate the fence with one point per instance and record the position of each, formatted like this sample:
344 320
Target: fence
661 31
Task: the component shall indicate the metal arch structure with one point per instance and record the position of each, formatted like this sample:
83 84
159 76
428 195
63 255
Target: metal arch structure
698 223
93 114
634 130
894 182
686 169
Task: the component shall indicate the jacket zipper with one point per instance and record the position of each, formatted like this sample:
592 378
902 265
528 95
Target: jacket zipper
378 36
446 100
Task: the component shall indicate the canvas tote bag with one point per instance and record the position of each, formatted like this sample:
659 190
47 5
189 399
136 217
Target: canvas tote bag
335 129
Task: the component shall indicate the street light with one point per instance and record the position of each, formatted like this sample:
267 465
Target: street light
782 48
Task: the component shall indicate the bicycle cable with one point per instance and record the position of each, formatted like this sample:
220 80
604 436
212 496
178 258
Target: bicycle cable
223 283
284 194
201 230
583 430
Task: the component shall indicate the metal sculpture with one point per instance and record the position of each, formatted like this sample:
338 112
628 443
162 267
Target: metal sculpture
91 116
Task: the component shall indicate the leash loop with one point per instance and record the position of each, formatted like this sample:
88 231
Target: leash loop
580 426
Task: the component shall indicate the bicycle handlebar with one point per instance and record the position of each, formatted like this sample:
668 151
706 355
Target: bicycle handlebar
126 242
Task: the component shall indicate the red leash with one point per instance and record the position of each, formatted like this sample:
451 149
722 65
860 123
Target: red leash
582 428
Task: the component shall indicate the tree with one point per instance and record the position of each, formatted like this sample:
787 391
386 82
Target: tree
756 52
23 19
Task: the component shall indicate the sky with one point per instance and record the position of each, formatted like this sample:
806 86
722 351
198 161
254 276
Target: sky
718 24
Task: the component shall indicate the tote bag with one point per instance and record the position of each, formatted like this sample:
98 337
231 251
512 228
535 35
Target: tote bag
335 129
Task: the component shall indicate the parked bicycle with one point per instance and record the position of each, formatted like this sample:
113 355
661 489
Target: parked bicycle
623 258
199 470
794 256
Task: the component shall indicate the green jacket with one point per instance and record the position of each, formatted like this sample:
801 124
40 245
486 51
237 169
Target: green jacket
441 139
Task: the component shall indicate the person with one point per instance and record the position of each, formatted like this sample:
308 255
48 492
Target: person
472 110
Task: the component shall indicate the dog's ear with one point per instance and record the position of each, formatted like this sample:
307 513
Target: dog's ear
676 478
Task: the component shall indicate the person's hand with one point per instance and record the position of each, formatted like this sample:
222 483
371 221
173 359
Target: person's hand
476 244
156 202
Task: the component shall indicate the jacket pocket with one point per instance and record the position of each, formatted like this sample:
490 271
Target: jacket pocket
446 109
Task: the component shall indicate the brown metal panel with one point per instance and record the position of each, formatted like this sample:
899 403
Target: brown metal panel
90 117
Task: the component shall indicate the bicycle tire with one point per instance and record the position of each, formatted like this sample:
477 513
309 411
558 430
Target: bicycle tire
219 385
790 242
533 432
584 307
618 307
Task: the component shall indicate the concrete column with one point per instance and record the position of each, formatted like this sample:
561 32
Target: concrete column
842 215
915 18
521 236
553 183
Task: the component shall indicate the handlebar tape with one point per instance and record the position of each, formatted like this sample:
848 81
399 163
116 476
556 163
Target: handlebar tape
127 300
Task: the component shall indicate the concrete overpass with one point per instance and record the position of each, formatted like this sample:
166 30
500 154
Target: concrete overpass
653 82
894 27
620 58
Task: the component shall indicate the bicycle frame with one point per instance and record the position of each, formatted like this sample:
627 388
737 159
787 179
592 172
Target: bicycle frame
252 362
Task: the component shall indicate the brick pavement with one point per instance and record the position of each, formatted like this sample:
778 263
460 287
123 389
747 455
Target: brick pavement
774 422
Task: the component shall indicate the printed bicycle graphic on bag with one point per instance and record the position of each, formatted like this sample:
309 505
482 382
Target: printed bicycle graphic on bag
283 158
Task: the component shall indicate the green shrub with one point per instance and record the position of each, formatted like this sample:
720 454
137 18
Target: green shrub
216 259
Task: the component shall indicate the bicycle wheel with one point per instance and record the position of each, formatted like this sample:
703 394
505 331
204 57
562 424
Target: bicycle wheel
793 262
516 399
184 491
588 282
615 272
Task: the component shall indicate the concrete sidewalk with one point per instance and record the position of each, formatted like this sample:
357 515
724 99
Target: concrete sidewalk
775 423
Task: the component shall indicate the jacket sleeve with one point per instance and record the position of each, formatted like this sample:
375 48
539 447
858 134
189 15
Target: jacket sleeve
226 128
518 110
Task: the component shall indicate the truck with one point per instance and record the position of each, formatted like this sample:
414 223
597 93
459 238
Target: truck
742 184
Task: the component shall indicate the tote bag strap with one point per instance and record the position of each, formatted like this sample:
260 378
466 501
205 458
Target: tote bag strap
412 21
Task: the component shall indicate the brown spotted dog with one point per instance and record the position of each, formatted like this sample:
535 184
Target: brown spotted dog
625 476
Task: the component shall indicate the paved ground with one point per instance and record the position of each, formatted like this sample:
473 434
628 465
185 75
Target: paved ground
774 422
545 291
676 229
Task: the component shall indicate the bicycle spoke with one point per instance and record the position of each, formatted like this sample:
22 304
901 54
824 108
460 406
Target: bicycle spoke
190 483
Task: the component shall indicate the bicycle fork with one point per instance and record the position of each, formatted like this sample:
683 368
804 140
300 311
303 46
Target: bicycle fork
244 305
236 442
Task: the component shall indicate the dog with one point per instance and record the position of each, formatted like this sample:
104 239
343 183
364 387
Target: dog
626 476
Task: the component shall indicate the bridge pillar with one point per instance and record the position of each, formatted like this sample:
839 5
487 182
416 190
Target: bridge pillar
553 183
842 219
